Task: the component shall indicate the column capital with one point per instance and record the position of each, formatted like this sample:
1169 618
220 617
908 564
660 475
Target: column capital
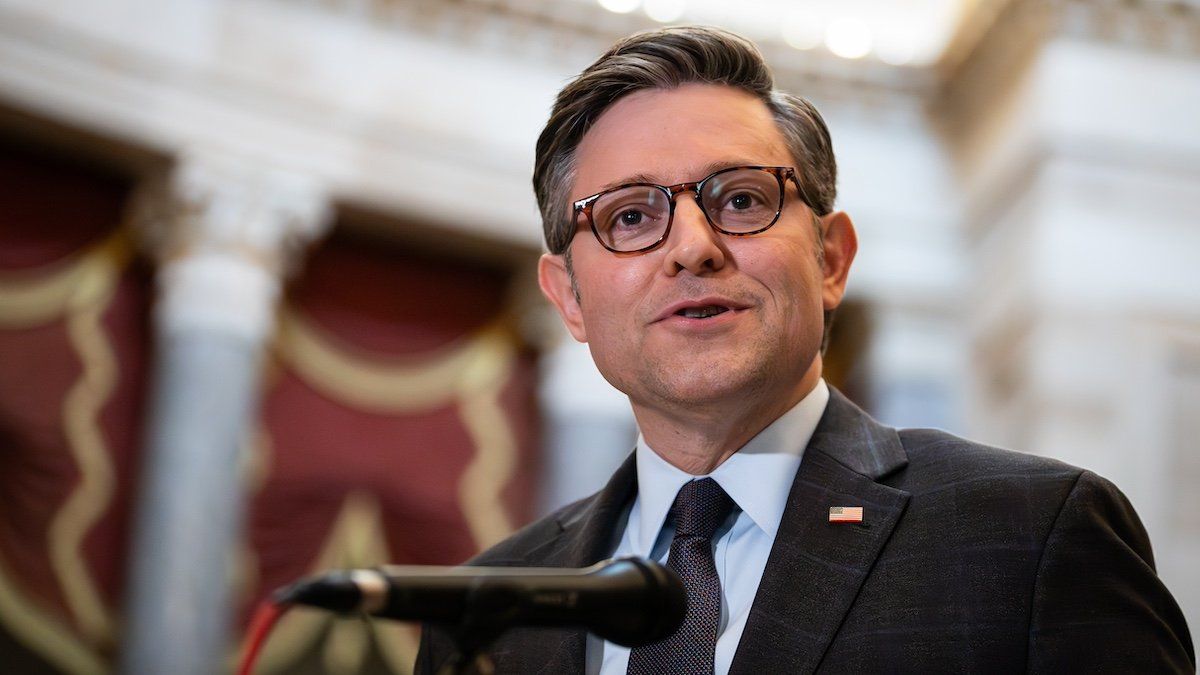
225 232
208 203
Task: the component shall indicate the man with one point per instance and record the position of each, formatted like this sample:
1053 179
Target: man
688 210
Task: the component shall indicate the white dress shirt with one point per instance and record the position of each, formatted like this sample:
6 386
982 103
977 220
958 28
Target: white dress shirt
758 478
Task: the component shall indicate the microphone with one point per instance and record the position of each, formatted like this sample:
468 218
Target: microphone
630 601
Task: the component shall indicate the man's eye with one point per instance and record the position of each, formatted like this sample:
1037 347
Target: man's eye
741 201
630 218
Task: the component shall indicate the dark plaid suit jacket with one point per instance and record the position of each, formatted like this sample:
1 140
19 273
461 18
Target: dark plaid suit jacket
970 559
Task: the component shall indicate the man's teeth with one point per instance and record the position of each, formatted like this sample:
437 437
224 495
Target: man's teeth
702 312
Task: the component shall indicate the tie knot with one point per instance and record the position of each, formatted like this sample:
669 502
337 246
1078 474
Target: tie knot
700 508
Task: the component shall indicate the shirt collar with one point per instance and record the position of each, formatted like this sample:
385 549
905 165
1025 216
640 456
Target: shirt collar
758 477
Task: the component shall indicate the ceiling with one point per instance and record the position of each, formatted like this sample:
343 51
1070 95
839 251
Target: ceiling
905 33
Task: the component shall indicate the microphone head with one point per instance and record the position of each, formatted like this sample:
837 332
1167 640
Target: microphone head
630 602
652 615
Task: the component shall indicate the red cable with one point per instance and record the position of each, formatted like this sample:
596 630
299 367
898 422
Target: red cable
265 616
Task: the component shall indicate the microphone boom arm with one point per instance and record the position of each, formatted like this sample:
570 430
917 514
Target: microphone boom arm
629 601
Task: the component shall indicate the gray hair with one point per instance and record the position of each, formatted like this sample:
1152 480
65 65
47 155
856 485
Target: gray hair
666 59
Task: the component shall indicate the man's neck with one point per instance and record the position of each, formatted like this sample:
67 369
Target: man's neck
698 439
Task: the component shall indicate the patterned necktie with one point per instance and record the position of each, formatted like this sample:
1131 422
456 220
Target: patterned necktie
700 508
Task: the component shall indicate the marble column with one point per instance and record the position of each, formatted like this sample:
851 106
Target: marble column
224 234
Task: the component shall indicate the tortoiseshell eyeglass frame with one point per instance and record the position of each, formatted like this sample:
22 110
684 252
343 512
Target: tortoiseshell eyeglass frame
782 175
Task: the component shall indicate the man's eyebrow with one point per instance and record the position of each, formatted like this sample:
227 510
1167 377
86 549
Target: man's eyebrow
635 178
700 172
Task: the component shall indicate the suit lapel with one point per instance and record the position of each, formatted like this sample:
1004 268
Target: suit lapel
816 568
587 537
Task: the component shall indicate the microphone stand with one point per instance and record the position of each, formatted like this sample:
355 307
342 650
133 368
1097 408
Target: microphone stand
460 664
490 610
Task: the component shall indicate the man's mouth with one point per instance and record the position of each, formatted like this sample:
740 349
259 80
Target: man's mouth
702 308
701 312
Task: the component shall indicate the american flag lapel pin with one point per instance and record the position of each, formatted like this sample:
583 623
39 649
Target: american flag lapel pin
845 514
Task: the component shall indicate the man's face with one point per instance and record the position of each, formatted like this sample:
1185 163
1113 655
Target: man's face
638 313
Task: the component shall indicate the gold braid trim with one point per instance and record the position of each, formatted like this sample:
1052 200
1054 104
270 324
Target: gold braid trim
55 642
82 290
473 373
483 481
386 386
35 297
81 424
355 540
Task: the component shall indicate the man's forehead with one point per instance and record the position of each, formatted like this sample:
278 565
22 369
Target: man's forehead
676 135
695 172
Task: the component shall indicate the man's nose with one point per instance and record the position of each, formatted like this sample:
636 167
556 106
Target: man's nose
693 244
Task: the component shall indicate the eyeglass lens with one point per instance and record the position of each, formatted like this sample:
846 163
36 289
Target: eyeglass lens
737 201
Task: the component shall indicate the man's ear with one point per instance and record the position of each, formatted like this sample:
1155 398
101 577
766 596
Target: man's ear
841 243
556 285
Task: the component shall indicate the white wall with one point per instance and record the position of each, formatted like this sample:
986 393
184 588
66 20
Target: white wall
1084 310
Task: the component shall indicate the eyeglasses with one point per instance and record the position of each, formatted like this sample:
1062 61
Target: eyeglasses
737 201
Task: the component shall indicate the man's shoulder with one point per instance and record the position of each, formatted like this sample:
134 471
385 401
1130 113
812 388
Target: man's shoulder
1004 492
938 459
524 547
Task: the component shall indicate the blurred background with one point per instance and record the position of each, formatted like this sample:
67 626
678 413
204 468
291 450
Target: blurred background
267 303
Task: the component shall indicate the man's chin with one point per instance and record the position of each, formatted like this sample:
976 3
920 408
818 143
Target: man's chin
704 383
